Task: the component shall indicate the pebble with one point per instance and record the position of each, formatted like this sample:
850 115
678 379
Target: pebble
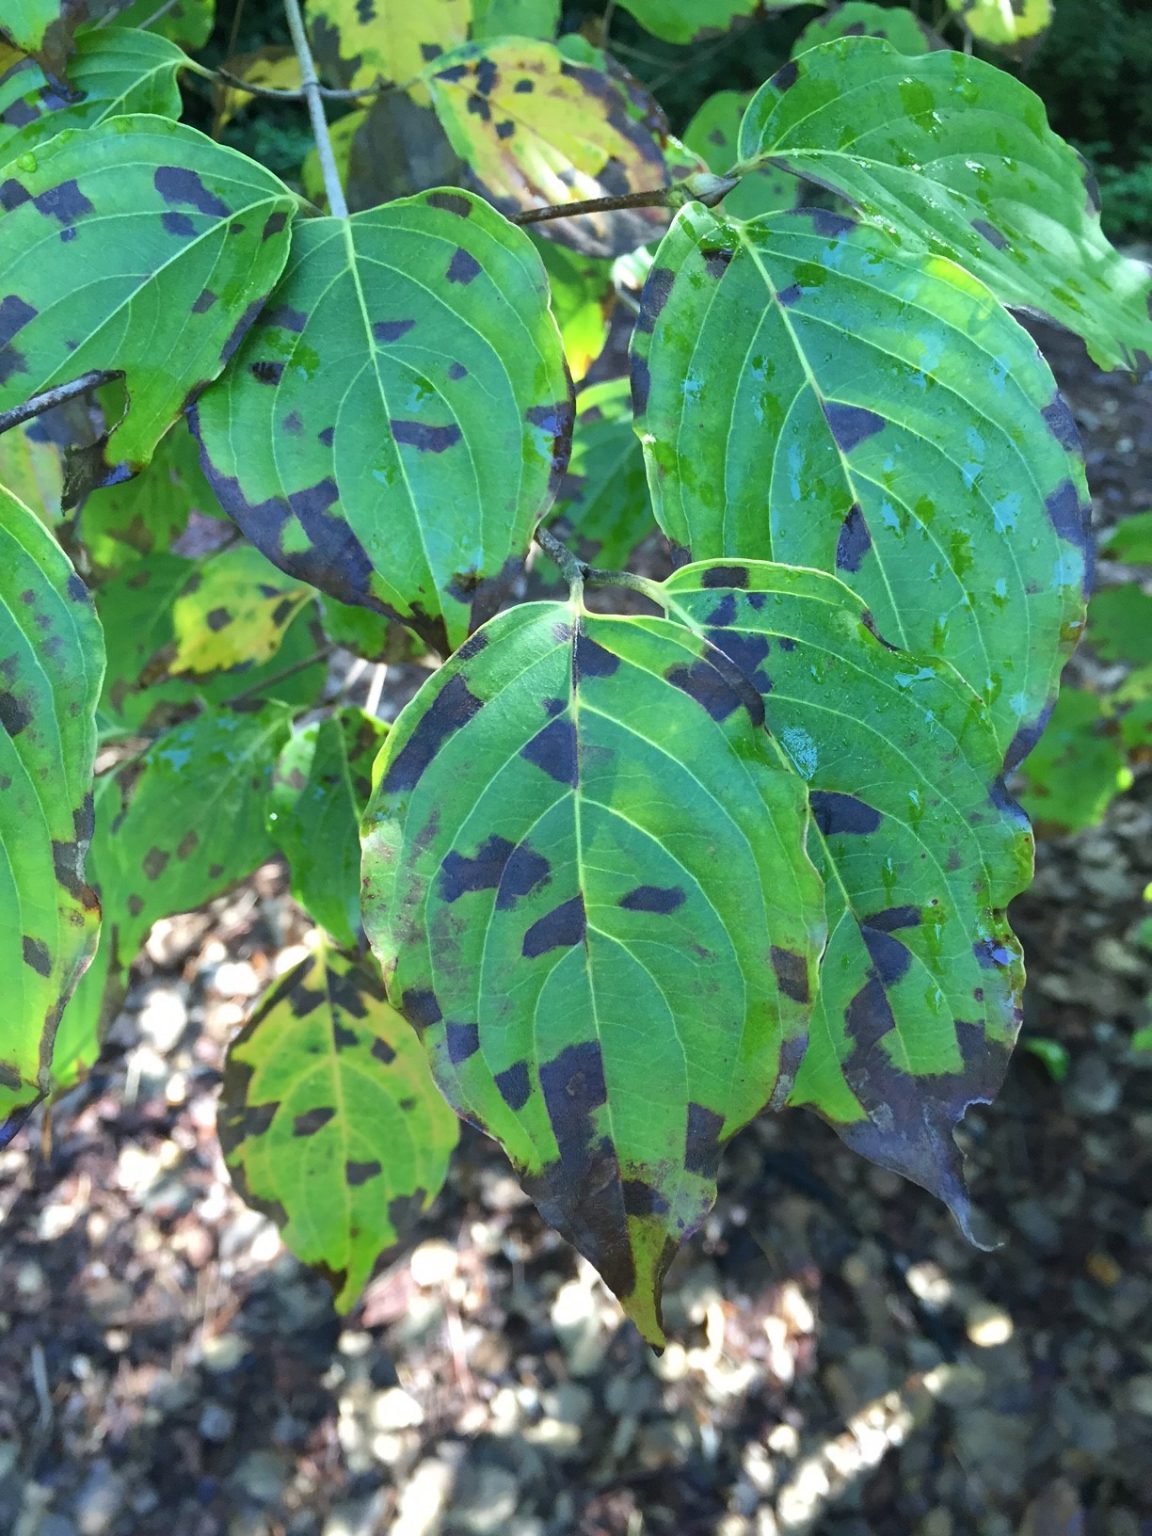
484 1499
216 1423
1092 1088
1138 1393
433 1264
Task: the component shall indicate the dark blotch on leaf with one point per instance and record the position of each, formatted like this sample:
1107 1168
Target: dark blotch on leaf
785 77
990 233
514 1085
524 871
37 956
360 1173
450 202
506 129
854 542
451 709
868 1016
702 1141
641 384
554 750
643 1199
851 424
463 1041
14 316
420 1008
1061 423
177 184
204 301
724 612
154 863
564 926
791 974
459 874
836 813
710 689
312 1120
273 224
266 372
218 619
383 1052
592 660
717 259
890 958
463 267
13 194
653 898
66 203
788 296
285 318
654 297
725 576
178 224
891 918
14 716
1026 737
391 330
416 434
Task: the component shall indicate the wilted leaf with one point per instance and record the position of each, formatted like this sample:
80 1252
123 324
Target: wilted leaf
330 1121
51 660
1003 23
859 18
390 430
166 245
810 392
113 72
397 150
713 133
536 129
583 296
959 155
46 28
118 524
1078 767
588 887
319 791
920 985
603 499
137 609
194 823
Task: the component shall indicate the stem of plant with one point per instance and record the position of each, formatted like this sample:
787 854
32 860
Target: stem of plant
280 677
310 85
656 197
57 395
287 93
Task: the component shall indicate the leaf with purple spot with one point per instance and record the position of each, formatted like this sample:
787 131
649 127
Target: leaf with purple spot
330 1121
393 426
809 391
579 858
51 661
921 982
136 219
957 156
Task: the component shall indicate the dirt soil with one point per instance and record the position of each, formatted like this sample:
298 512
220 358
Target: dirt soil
841 1361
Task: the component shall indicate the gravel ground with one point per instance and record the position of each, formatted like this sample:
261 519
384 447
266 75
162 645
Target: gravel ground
841 1361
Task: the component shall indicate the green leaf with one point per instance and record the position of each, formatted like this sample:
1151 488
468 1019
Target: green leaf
1078 767
330 1121
858 18
536 129
113 72
194 823
1130 540
45 28
810 392
712 133
139 612
119 524
690 21
588 887
921 981
583 297
319 791
1120 625
368 635
188 22
51 660
514 18
31 469
1003 23
166 245
391 427
959 155
603 499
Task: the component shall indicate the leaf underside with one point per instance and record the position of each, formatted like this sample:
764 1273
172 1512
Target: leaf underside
589 890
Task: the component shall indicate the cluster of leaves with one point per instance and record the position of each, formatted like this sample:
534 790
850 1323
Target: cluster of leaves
629 878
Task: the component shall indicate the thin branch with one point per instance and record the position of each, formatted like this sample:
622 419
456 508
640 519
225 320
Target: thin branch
310 85
571 568
36 405
323 654
657 197
288 93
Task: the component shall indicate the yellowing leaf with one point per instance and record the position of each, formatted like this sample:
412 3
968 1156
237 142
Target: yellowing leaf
234 610
360 41
1003 23
278 68
330 1120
